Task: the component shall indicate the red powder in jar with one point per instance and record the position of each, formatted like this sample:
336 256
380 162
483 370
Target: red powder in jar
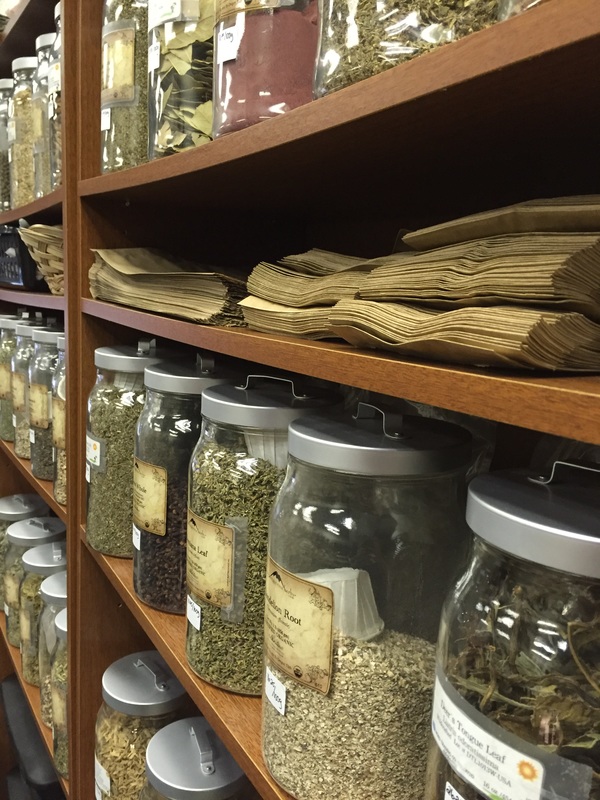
273 71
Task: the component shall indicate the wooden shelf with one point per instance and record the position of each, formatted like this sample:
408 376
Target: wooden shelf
47 209
43 488
35 299
235 718
29 19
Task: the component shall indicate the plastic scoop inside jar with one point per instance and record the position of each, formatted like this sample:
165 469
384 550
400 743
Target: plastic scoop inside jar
268 446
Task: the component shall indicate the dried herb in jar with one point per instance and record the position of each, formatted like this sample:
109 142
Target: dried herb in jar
12 584
46 700
3 548
30 609
21 149
41 451
22 441
60 476
60 730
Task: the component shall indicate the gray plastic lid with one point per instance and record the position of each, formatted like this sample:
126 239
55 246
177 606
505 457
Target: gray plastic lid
46 559
127 358
36 530
142 684
183 377
57 11
46 335
60 624
554 525
9 321
376 444
54 589
6 83
45 40
26 328
61 341
186 760
15 507
25 62
262 402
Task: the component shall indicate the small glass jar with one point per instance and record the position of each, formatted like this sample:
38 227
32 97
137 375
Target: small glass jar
187 761
20 387
364 538
13 508
179 101
41 131
8 344
235 472
6 90
114 406
21 134
264 60
53 592
41 369
55 103
167 432
141 695
59 422
59 685
22 536
38 563
124 88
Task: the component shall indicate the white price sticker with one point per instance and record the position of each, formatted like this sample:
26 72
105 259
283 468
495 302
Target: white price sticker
97 792
88 472
275 692
54 78
93 451
154 57
14 421
194 613
105 119
11 130
5 610
136 537
32 435
451 793
102 777
228 40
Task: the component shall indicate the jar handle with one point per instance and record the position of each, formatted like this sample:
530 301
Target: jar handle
205 362
369 411
562 470
206 753
146 347
255 378
161 679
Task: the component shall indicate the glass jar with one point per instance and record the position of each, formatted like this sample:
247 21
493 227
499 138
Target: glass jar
19 380
179 100
187 761
167 432
59 422
124 88
6 90
114 406
41 131
13 508
264 60
22 536
235 471
364 538
20 133
38 563
59 684
141 695
8 343
53 592
517 701
509 8
41 369
55 103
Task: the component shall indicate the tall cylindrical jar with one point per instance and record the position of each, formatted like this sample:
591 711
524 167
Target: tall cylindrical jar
41 131
516 711
264 60
364 539
140 696
38 563
114 406
167 432
13 508
59 422
21 134
59 687
19 380
53 592
55 103
8 344
41 369
235 471
179 100
124 88
6 90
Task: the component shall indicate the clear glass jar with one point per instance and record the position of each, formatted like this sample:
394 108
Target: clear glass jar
140 696
13 508
59 422
59 685
114 406
235 472
54 597
55 103
517 701
6 90
38 563
41 131
20 388
124 89
179 102
23 536
364 537
264 60
20 133
8 344
41 369
509 8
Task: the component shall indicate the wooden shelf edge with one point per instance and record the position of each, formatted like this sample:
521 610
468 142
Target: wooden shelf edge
43 488
35 299
51 203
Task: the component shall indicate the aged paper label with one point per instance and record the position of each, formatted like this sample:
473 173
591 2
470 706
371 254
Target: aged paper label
210 560
118 64
4 381
40 399
149 497
59 423
18 391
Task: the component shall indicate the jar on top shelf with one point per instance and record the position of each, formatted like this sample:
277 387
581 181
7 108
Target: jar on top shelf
59 422
41 130
13 508
6 90
21 134
55 103
53 592
59 685
41 370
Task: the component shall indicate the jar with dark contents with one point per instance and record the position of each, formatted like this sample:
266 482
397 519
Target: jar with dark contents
6 90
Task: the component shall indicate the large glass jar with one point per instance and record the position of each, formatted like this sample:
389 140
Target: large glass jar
365 535
6 90
235 471
20 133
59 685
141 695
114 406
59 422
20 388
179 100
22 536
13 508
264 60
8 344
187 761
41 370
124 88
53 592
41 131
38 563
55 103
516 712
167 432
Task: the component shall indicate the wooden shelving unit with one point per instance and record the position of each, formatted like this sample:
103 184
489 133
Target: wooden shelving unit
33 299
47 209
43 488
29 19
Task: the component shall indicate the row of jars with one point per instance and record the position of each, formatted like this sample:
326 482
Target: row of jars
160 94
30 123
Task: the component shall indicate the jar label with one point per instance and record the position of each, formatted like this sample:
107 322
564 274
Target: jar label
229 39
32 435
210 560
4 381
105 117
154 57
59 709
194 613
135 536
54 78
226 8
161 11
450 793
275 691
149 497
59 423
101 776
11 589
37 122
95 450
118 63
18 384
299 627
40 408
24 626
11 130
